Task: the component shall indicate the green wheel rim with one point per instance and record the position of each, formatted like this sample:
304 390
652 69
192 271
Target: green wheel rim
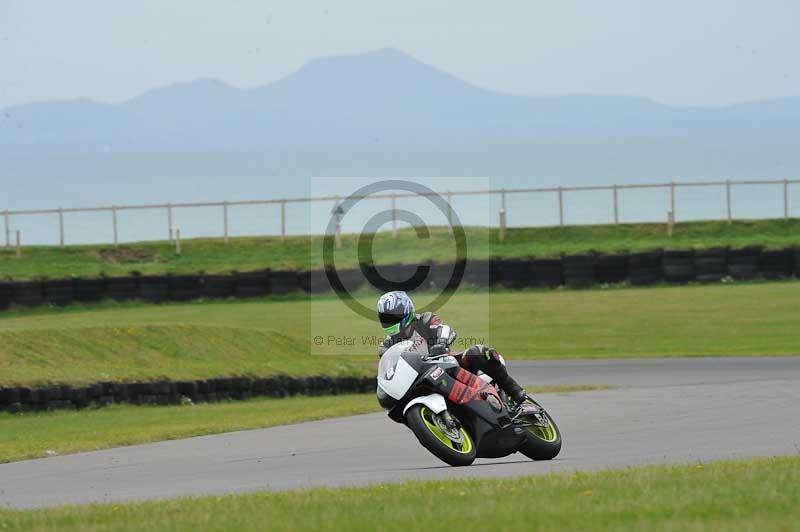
465 447
547 433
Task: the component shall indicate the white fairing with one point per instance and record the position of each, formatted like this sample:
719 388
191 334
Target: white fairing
395 375
433 401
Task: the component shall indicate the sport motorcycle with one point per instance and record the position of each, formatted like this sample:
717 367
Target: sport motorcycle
458 415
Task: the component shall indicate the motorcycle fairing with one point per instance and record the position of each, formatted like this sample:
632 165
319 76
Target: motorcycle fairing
433 401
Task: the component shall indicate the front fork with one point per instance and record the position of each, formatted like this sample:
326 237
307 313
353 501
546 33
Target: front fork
449 421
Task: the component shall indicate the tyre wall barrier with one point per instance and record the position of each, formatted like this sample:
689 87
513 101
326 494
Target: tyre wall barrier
251 284
710 265
514 273
29 293
155 289
122 288
59 293
184 287
441 276
219 286
678 266
351 279
88 290
165 392
284 282
388 277
479 273
315 282
579 270
546 272
743 263
6 295
611 268
644 269
582 270
777 264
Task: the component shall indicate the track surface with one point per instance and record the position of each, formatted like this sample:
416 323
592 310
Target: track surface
666 411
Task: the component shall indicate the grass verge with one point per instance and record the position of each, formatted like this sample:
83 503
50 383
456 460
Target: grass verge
36 435
256 253
205 339
761 494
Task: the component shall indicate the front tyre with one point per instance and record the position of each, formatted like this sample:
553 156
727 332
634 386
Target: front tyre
543 440
452 446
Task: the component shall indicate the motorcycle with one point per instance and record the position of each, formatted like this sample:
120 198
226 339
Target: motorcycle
457 415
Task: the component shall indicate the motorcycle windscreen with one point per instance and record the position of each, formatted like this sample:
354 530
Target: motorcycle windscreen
395 375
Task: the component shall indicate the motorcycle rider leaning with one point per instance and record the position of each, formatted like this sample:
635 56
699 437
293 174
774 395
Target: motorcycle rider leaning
400 322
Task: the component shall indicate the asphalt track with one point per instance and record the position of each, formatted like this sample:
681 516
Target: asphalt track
665 411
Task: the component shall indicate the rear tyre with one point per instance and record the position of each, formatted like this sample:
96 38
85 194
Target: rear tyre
452 447
543 441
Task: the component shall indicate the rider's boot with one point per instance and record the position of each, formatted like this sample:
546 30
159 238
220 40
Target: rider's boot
499 373
493 366
514 391
489 361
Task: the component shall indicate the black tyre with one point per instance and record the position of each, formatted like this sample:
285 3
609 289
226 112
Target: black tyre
457 449
543 441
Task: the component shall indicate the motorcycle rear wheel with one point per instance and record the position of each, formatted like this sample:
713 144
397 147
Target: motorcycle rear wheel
542 442
420 419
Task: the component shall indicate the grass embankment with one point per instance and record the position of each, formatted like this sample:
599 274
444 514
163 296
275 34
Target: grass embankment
32 435
205 339
247 254
742 495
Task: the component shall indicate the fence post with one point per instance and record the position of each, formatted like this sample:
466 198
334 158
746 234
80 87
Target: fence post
19 246
283 220
560 206
225 221
61 226
394 216
8 229
114 223
169 220
502 233
728 200
670 223
337 212
785 199
672 198
616 205
449 212
178 241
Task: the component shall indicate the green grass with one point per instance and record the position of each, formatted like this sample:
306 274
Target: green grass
246 254
758 495
32 435
204 339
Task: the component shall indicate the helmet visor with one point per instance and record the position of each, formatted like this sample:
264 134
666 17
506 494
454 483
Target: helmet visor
392 329
390 321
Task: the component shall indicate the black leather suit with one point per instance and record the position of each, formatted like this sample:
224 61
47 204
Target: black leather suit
431 335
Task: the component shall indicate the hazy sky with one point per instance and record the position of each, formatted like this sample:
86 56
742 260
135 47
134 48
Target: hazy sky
678 52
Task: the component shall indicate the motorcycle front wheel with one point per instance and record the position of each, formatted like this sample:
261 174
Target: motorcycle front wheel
452 446
543 440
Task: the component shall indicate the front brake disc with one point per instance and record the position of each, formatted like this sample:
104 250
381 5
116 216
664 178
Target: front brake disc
452 433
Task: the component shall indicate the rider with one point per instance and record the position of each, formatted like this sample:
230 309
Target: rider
398 319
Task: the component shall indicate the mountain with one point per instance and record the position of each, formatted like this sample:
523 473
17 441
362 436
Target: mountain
384 114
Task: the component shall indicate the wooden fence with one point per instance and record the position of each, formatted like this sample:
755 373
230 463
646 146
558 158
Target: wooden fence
559 194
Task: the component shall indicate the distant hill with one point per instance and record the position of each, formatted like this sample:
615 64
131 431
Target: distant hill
385 113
